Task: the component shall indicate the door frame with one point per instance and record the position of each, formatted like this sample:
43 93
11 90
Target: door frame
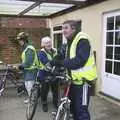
103 72
57 32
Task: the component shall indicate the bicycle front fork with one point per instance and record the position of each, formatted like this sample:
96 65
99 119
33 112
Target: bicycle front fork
63 110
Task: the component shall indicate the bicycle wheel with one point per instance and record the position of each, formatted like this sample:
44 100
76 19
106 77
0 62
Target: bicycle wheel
32 105
62 115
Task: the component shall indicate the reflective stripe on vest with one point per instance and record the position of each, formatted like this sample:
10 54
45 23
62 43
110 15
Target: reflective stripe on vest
48 55
89 69
35 61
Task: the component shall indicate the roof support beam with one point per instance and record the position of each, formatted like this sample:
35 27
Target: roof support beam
58 1
38 2
29 8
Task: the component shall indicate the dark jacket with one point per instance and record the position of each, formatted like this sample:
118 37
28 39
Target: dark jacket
44 59
82 54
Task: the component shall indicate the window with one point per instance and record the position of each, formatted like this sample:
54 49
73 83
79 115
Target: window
57 36
112 62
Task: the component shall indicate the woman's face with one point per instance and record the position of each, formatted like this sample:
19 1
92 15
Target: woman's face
21 42
48 45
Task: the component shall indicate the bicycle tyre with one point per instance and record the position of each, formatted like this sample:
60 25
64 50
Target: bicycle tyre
62 115
32 105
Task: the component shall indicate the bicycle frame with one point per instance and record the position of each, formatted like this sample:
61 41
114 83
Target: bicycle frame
64 106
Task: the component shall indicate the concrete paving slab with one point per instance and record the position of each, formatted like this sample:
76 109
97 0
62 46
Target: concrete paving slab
12 107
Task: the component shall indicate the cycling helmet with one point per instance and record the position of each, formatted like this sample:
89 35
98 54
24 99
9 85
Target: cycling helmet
22 36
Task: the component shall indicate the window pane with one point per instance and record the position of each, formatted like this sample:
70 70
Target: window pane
109 38
57 28
57 40
110 23
109 52
117 23
117 53
117 38
108 66
117 68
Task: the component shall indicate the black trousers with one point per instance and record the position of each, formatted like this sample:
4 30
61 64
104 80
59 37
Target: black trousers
45 90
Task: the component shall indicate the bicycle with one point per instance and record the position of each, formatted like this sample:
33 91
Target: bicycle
63 111
8 73
35 93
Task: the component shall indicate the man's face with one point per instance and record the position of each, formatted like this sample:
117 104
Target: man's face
48 45
21 42
68 31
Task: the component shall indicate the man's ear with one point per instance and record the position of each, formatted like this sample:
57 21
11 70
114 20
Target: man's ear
73 29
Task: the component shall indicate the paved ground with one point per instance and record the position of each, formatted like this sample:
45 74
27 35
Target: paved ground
13 108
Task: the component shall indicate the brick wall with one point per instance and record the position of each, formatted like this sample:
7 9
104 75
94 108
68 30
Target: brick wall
11 22
9 50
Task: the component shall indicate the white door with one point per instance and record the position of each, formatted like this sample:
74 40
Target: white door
111 55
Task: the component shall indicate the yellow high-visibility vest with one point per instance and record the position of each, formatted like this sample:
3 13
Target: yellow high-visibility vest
35 61
48 56
89 69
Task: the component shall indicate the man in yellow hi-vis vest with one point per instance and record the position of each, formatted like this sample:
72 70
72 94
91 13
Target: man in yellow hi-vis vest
80 63
29 61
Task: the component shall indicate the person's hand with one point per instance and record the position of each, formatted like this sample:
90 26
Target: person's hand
16 67
48 67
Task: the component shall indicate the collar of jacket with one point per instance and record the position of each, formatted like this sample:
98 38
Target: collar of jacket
24 46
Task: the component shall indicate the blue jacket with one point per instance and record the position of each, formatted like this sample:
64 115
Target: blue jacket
43 59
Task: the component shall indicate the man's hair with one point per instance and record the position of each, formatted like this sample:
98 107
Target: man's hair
74 24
